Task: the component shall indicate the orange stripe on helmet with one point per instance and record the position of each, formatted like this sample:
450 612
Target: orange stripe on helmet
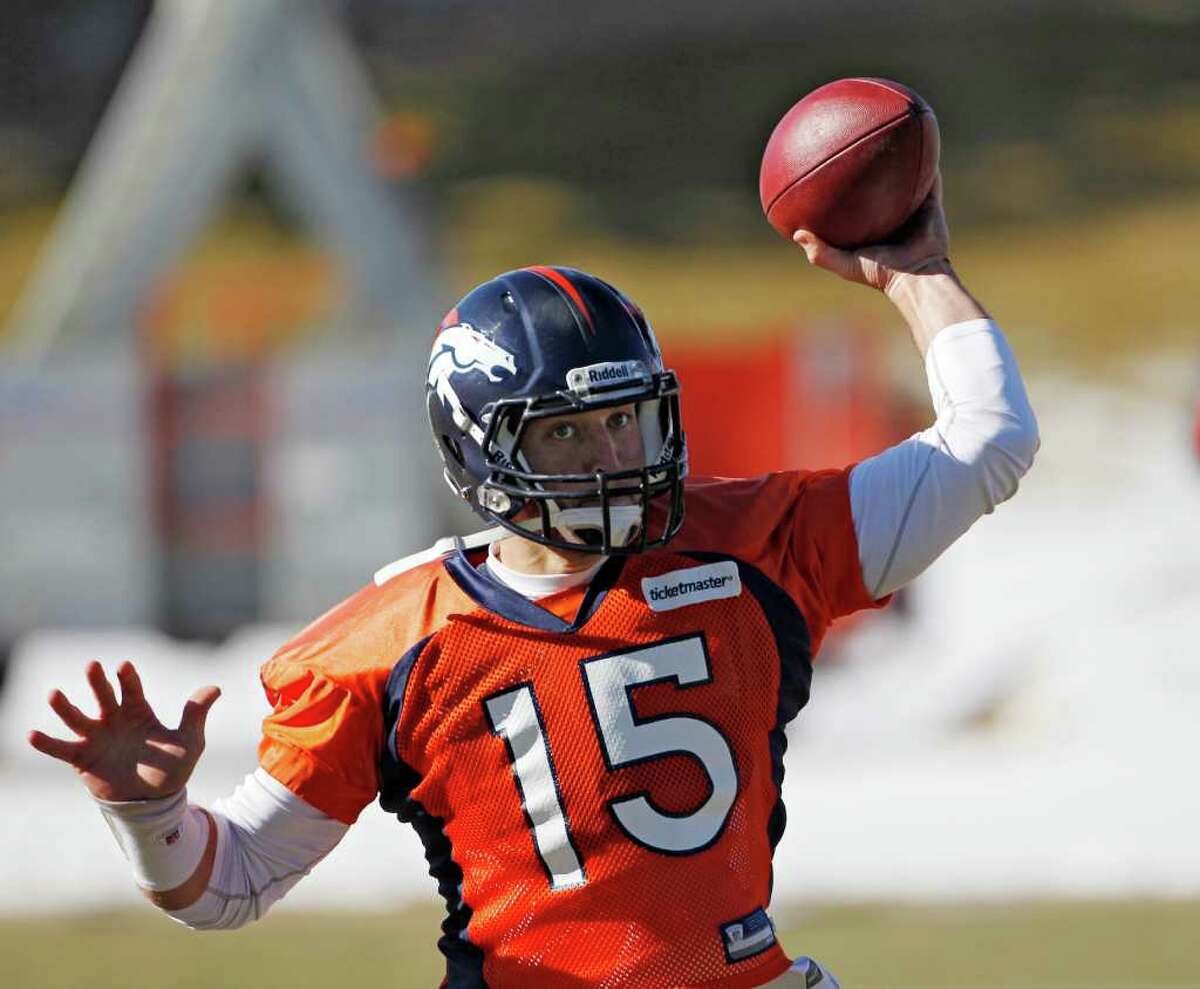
450 319
564 283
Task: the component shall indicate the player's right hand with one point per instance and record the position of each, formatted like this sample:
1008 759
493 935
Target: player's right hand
127 753
923 247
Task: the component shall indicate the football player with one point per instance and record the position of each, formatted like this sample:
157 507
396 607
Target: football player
580 710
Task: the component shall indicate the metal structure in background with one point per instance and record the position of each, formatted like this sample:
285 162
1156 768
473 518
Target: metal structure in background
213 89
212 86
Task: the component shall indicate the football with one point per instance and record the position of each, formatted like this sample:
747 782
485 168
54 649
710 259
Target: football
851 162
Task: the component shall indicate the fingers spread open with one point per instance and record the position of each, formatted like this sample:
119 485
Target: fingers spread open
195 712
56 748
102 689
71 716
131 684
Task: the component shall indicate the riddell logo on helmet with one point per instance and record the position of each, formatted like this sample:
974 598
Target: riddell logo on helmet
584 379
613 372
692 586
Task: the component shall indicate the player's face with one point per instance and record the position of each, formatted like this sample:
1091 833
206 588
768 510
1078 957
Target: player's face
585 442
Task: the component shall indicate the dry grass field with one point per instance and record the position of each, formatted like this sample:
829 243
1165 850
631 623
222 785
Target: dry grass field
1132 945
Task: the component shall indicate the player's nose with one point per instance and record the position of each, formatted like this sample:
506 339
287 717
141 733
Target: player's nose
603 452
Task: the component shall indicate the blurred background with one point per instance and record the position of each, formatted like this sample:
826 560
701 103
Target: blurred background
227 231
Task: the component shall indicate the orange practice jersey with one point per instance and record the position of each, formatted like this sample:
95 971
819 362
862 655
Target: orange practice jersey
595 776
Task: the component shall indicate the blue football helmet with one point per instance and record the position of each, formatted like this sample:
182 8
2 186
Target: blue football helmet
549 341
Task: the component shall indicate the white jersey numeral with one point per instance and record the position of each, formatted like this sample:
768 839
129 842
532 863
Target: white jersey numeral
625 740
628 739
515 716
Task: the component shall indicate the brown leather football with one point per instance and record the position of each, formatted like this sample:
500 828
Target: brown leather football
851 162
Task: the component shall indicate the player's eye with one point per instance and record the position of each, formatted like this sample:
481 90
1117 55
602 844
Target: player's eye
563 431
619 420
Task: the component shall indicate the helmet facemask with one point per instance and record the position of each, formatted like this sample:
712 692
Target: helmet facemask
603 512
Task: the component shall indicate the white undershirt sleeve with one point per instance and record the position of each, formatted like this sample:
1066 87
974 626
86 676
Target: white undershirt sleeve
267 840
913 500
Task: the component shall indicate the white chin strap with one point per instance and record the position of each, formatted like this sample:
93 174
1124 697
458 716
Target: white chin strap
625 521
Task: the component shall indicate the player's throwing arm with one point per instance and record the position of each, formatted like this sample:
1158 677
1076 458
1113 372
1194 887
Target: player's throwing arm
851 175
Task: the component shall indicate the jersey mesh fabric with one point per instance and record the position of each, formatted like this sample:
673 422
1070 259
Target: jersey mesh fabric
643 917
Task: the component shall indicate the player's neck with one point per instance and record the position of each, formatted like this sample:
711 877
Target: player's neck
526 556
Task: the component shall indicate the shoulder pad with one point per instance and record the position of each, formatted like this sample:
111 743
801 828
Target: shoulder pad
443 547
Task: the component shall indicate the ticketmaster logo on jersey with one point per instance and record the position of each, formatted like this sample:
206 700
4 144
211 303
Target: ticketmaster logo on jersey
692 586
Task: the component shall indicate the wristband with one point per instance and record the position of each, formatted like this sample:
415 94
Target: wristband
163 839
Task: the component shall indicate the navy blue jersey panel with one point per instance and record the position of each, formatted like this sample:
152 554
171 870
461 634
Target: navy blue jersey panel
598 589
502 600
789 627
498 598
464 961
395 778
794 646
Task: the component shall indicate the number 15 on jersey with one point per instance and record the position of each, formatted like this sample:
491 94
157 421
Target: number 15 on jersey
626 740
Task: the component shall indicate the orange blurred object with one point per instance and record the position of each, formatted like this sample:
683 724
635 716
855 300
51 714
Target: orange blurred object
403 146
786 402
237 310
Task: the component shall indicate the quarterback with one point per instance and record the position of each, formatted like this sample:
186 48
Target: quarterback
580 710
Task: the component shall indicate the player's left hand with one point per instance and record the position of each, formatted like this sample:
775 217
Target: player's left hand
126 753
923 247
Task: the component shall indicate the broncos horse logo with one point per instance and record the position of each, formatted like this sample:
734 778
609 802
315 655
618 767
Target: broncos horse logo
462 349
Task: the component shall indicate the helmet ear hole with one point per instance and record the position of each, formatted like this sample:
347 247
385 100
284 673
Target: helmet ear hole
451 446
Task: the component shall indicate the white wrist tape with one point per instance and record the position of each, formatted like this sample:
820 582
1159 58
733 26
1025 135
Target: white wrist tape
164 840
